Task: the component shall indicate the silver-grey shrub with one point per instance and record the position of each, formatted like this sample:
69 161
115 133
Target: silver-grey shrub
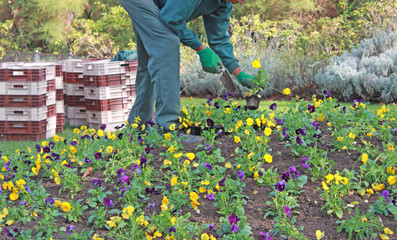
368 72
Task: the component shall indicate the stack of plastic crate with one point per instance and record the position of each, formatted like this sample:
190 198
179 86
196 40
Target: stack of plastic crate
131 67
60 104
74 92
27 102
105 94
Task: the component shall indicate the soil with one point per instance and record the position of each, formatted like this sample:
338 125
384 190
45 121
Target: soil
310 216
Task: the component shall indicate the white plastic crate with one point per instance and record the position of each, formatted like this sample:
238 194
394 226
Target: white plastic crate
50 68
51 98
60 107
59 82
102 93
51 123
107 117
23 88
50 133
10 64
23 114
74 89
130 77
76 112
102 67
76 122
73 65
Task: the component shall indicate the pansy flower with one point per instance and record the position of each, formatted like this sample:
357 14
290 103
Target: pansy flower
136 168
311 108
304 162
97 183
280 186
240 175
98 155
107 202
209 166
69 230
87 160
273 106
299 140
287 211
265 236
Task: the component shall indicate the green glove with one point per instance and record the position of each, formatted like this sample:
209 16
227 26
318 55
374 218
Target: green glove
209 60
246 80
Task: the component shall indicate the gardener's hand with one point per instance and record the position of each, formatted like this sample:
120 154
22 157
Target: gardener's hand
246 80
209 60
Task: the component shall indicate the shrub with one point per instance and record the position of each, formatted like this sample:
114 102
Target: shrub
368 72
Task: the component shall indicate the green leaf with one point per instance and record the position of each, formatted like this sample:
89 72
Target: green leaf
186 216
240 211
339 213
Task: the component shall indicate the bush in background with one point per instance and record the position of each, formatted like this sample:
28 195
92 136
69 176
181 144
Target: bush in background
368 72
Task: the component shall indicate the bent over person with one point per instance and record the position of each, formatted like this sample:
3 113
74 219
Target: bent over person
160 27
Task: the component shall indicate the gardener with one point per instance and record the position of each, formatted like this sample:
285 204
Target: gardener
160 26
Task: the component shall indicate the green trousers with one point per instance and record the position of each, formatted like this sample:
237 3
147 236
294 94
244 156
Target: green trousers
158 78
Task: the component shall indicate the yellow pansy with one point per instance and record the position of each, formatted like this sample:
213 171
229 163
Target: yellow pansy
109 149
388 231
391 180
256 63
167 136
237 139
174 181
190 156
378 187
364 158
66 207
319 234
287 91
267 131
127 212
268 158
14 196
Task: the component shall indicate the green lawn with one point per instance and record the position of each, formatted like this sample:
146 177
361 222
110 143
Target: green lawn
8 147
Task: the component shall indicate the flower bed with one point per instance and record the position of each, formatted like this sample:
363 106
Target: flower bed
314 171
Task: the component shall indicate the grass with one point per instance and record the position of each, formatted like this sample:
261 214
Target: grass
9 147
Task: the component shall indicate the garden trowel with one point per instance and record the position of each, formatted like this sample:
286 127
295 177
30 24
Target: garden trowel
226 80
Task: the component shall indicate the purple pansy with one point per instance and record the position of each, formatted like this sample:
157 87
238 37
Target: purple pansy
299 140
151 206
280 186
136 168
240 175
311 108
287 211
103 126
304 162
265 236
69 230
273 106
385 194
209 166
107 202
210 196
97 183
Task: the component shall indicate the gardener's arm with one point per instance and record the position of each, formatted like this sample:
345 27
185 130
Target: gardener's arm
175 14
216 25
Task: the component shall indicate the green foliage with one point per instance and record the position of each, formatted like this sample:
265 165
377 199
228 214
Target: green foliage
6 42
366 226
103 37
44 24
